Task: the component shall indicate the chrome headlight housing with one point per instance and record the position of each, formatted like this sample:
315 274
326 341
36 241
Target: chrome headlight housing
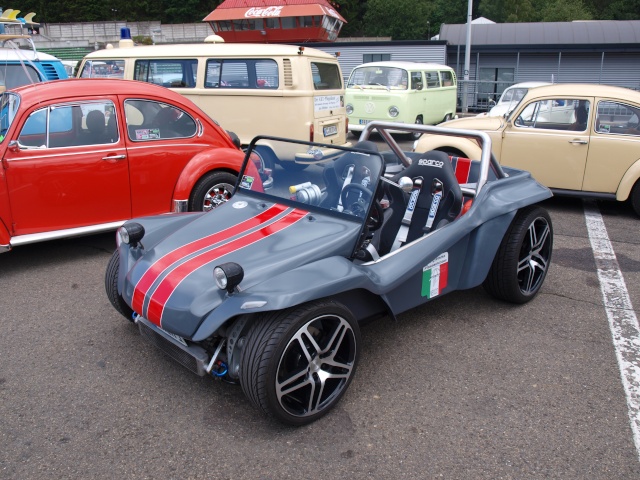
394 111
349 108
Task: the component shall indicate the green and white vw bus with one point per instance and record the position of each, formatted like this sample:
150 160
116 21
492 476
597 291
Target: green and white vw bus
403 92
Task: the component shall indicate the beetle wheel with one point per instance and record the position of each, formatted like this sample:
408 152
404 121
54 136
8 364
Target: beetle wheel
211 191
523 258
111 286
296 364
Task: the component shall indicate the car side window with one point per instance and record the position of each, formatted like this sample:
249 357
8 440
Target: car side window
175 73
615 118
148 120
447 79
70 126
433 81
555 114
416 80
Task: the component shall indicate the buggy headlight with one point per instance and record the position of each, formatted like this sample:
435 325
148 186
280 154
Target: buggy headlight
349 109
131 233
228 276
393 111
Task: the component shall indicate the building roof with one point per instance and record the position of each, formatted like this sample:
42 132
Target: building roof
238 9
545 33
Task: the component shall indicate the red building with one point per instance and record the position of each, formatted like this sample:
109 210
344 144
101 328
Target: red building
276 21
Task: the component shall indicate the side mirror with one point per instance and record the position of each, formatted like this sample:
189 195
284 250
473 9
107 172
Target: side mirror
14 146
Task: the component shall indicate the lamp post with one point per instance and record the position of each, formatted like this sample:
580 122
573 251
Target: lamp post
467 59
428 30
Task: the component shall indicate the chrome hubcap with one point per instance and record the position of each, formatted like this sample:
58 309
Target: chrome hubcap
316 365
217 195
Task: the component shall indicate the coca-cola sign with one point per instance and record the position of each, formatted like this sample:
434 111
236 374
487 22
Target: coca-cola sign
258 12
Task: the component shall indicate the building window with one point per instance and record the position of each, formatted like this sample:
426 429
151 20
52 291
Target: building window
376 57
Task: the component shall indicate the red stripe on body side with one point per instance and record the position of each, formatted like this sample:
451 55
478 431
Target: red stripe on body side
156 269
463 167
168 285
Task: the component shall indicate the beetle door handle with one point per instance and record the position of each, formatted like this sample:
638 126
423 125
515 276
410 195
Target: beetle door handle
114 158
578 142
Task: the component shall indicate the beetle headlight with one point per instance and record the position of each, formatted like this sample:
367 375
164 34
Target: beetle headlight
393 111
349 109
131 233
228 276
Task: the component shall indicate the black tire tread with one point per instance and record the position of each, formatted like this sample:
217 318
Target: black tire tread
635 198
111 287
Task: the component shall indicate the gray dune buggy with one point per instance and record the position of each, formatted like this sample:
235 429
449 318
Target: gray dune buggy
268 290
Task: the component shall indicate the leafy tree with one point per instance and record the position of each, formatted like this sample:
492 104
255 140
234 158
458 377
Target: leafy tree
399 19
564 11
353 13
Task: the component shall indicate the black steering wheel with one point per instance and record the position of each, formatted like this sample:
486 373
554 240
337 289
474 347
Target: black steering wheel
359 207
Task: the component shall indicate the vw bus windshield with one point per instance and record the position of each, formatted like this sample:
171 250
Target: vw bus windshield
376 77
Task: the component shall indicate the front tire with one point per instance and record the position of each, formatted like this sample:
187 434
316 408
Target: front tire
297 363
635 197
111 287
417 135
211 191
523 258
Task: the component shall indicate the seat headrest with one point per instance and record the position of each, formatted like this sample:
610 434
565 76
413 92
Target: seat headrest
95 121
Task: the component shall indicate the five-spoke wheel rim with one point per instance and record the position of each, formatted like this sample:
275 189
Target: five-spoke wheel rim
216 195
316 365
535 252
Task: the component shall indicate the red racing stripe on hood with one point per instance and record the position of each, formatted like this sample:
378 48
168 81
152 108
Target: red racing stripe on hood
163 263
168 284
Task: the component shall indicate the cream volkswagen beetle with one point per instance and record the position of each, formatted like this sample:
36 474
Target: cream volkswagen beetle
577 139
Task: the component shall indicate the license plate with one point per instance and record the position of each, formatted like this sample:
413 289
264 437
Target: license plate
175 337
363 122
330 130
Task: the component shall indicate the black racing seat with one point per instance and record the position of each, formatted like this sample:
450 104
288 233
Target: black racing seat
436 199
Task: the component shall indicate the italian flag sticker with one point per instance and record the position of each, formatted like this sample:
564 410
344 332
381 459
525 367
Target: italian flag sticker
435 276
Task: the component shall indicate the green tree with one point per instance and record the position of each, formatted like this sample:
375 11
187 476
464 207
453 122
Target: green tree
399 19
564 11
353 13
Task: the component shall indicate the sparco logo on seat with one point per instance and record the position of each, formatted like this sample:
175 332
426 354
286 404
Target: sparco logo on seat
430 163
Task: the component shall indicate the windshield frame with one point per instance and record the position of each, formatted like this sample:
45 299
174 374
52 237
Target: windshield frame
320 154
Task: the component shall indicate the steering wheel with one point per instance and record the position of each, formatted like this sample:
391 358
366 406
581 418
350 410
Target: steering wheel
357 207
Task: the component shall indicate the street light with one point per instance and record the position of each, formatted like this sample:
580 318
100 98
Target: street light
428 30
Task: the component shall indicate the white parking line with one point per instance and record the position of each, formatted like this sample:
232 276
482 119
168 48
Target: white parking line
623 322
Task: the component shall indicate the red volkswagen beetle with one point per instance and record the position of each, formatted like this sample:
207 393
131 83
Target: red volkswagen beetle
82 156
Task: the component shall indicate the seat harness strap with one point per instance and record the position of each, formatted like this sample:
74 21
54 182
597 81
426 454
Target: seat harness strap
403 231
436 191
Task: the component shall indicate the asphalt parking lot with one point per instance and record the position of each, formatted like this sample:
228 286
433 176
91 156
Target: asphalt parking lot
464 387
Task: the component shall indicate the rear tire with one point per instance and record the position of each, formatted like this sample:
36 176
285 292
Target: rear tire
111 287
523 258
297 363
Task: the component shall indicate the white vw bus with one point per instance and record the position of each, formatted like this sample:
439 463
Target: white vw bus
403 92
250 89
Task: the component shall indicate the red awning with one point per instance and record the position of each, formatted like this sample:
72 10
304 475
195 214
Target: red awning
272 12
